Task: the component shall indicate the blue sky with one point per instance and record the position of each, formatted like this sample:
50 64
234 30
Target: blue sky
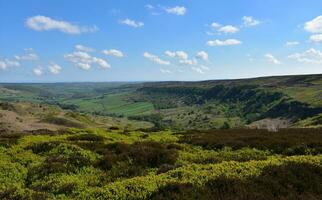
141 40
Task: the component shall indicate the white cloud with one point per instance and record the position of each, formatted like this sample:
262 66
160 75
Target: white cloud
188 62
311 56
84 60
4 64
179 54
317 38
228 42
165 71
215 25
132 23
202 55
80 47
292 43
250 21
155 59
314 26
270 58
30 55
200 69
177 10
113 52
37 71
170 53
43 23
228 29
54 68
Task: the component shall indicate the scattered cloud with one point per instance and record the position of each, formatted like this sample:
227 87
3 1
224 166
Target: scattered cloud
177 10
37 71
84 61
182 56
154 10
250 21
292 43
314 26
30 55
132 23
113 52
270 58
202 55
200 69
80 47
228 42
4 64
228 29
165 71
224 29
155 59
311 56
54 68
43 23
317 38
189 62
179 54
215 25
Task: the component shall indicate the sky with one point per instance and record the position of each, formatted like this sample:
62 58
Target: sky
157 40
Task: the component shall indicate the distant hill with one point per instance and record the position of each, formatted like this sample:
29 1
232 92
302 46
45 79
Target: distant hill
269 102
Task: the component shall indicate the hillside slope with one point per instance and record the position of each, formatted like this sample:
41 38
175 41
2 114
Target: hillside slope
266 102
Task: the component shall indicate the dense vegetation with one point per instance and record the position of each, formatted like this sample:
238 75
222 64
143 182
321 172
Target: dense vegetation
100 164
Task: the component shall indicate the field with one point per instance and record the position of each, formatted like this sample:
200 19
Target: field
232 139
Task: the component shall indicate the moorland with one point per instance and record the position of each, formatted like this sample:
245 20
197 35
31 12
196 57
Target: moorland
257 138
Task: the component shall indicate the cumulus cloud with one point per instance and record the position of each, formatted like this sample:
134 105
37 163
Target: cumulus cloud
80 47
215 25
30 55
113 52
202 55
292 43
270 58
132 23
4 64
182 56
177 10
224 29
84 61
250 21
43 23
314 26
155 59
311 56
179 54
37 71
228 42
317 38
54 68
228 29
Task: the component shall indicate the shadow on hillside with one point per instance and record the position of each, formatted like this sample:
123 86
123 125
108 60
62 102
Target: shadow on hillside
285 141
